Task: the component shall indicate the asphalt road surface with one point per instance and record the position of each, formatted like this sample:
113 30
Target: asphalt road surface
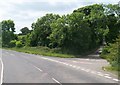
17 67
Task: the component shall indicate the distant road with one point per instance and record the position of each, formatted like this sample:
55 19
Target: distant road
28 68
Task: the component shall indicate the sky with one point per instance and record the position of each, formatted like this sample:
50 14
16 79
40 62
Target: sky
25 12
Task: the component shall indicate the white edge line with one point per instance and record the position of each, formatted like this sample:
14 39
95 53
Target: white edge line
99 73
1 72
115 79
108 77
56 81
12 54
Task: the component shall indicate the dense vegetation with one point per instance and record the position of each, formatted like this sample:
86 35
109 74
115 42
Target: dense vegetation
111 52
84 30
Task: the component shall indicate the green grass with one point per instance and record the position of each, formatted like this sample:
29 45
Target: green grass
112 70
43 51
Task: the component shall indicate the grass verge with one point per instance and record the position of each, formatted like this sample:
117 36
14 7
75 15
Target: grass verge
112 70
43 51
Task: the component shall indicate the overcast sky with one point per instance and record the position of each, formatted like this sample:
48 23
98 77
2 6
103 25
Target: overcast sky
25 12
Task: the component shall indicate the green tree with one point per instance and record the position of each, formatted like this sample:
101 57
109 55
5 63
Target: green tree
25 30
71 32
8 30
79 33
59 34
41 30
112 12
8 25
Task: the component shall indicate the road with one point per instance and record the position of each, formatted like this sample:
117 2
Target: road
29 68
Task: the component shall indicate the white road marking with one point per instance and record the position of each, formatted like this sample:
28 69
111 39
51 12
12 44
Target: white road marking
115 79
100 74
70 65
66 64
74 66
106 74
57 61
77 67
56 81
81 62
6 52
60 62
89 60
83 69
86 70
63 63
38 68
107 77
75 61
1 80
44 58
12 54
85 62
93 72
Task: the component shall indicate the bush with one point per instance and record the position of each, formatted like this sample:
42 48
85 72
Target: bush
19 44
112 54
12 43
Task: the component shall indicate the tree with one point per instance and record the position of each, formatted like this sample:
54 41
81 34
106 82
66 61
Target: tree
41 30
85 29
25 30
59 34
8 30
8 25
112 12
94 15
71 32
79 33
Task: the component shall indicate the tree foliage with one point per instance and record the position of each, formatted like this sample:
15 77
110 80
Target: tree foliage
41 30
112 53
8 30
25 31
83 30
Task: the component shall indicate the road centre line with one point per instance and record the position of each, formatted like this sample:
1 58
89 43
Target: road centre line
38 68
56 81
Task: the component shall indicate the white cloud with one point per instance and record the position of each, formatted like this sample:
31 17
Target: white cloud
24 12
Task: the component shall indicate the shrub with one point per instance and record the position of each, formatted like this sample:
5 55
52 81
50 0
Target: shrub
19 44
112 54
12 43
